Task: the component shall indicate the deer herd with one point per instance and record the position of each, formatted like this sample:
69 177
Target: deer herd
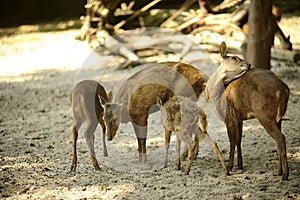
236 91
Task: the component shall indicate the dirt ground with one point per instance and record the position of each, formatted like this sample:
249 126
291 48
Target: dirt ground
37 73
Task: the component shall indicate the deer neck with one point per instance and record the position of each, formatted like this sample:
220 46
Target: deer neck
284 41
215 93
281 36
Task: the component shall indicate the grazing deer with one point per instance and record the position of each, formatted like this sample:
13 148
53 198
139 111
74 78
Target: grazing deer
240 17
86 99
137 96
258 93
285 42
181 115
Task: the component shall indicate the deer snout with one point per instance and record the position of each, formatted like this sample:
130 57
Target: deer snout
245 66
109 138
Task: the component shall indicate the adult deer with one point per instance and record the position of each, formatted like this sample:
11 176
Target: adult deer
87 100
137 96
257 93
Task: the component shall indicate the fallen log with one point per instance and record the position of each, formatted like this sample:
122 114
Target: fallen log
282 54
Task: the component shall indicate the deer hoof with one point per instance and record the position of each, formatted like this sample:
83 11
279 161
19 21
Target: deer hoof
73 168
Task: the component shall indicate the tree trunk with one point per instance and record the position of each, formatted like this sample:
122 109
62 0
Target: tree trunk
261 33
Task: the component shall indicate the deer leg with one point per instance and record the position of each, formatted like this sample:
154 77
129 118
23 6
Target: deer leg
139 149
283 168
75 137
274 131
189 142
195 151
185 153
167 145
189 162
105 154
141 134
142 149
90 139
178 146
238 144
196 148
279 157
279 124
232 127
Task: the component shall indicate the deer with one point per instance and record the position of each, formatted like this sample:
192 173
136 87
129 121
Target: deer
285 42
137 97
87 101
257 93
182 115
240 17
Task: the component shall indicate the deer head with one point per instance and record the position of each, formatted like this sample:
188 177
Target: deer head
111 121
231 67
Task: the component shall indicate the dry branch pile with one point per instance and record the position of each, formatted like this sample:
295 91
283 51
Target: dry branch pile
118 15
209 25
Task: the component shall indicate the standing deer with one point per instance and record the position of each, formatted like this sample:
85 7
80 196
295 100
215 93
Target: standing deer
182 116
86 99
258 93
137 96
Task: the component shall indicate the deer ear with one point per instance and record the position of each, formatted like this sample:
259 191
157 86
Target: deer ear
159 101
288 37
223 49
103 101
109 96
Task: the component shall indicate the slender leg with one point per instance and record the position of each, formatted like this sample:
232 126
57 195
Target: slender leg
139 149
192 145
178 146
167 144
196 148
189 142
185 153
279 124
232 127
238 144
75 137
189 162
90 139
274 131
280 162
141 134
105 154
142 150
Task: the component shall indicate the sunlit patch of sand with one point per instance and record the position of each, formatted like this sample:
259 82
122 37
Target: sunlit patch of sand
19 56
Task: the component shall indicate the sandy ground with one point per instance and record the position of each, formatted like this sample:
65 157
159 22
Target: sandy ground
37 73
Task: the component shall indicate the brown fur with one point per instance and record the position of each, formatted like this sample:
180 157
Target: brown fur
181 115
257 94
86 106
137 97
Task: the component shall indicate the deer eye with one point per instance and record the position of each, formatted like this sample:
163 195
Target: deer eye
234 58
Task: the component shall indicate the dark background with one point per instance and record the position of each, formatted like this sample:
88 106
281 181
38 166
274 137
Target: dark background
19 12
